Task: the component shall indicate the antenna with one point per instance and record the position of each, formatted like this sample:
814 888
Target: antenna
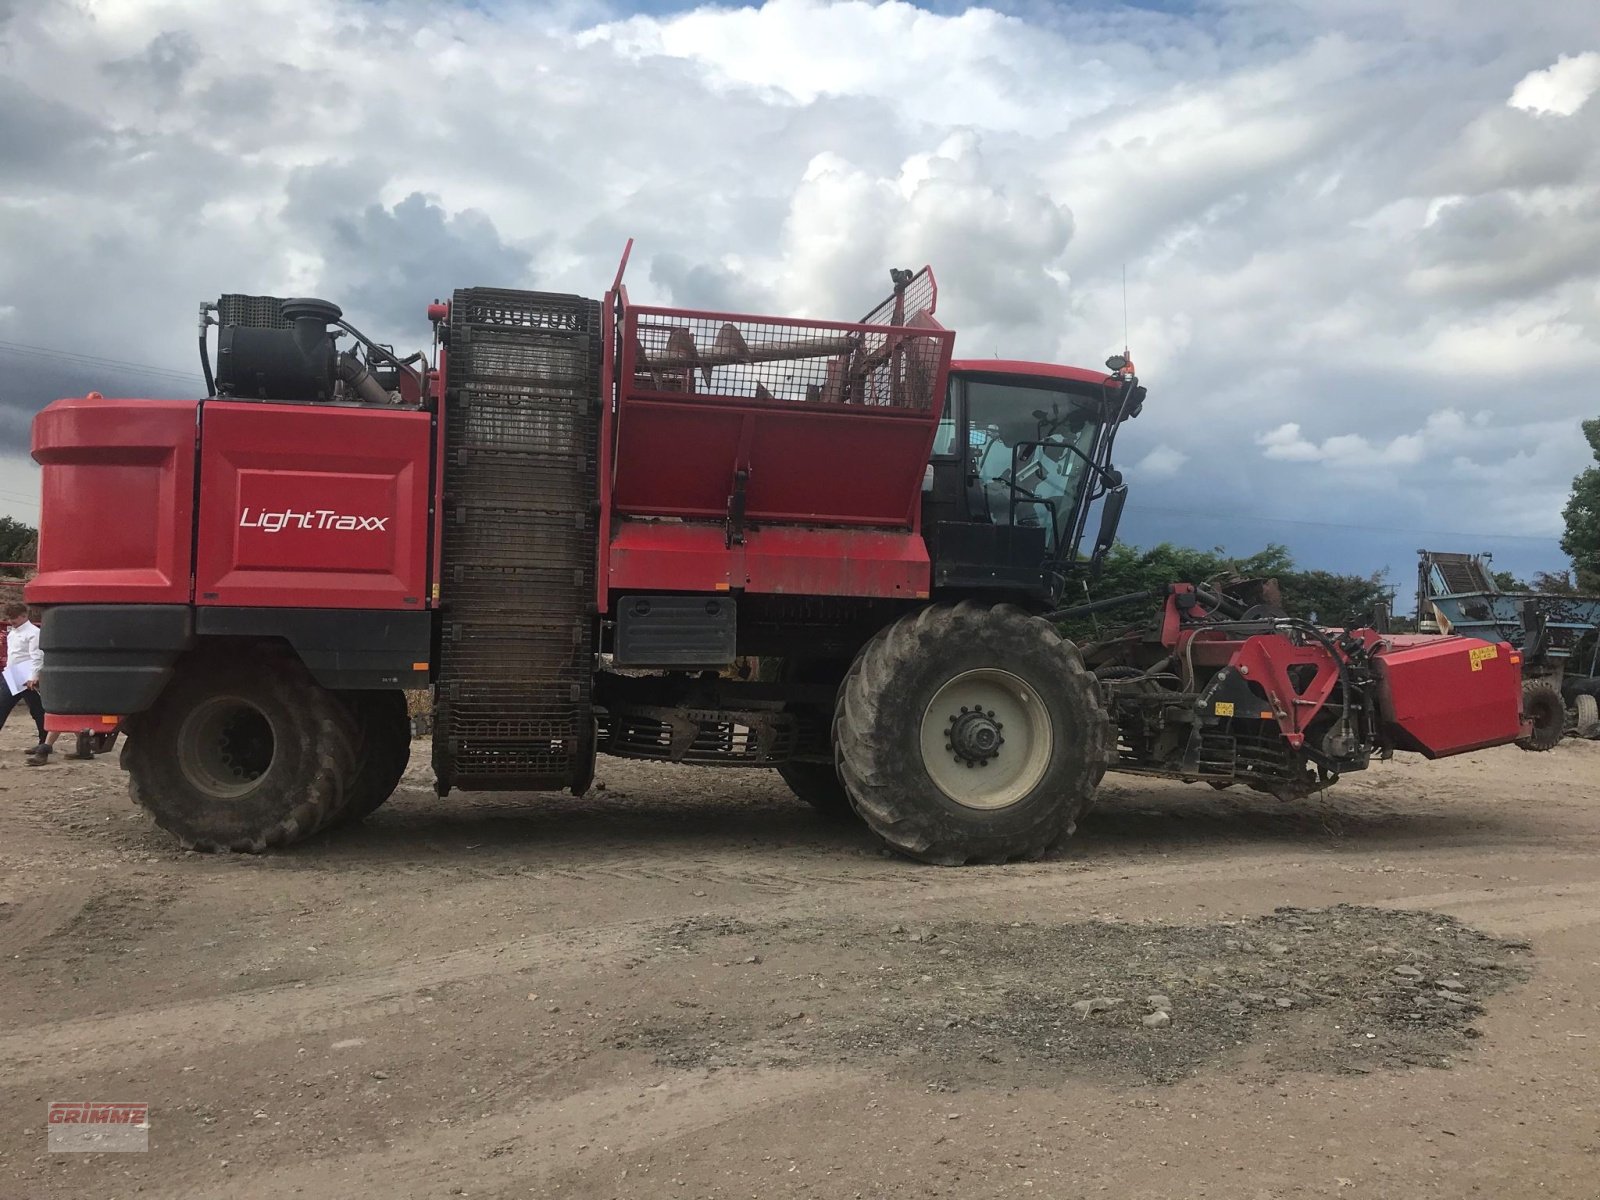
1124 309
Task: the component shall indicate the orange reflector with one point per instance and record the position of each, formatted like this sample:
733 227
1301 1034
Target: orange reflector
419 666
110 720
1515 659
722 587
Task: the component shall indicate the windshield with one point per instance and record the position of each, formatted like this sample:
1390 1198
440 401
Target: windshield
1030 444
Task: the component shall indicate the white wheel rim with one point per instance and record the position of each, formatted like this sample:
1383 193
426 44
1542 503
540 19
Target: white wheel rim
986 739
225 745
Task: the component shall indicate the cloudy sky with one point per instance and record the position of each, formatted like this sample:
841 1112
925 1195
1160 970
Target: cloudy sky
1361 238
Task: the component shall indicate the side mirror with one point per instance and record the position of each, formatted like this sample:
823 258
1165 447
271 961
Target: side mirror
1110 518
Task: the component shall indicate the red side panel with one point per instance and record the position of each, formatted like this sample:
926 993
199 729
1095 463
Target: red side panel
846 466
1448 695
312 507
118 501
678 557
836 562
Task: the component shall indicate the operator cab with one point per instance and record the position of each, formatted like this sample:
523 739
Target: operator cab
1022 451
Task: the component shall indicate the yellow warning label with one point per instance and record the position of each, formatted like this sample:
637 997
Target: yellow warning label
1481 655
1225 709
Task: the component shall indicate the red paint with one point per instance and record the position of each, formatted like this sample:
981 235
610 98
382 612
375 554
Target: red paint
1033 370
846 466
836 562
1441 705
1431 698
674 556
1265 660
832 487
608 402
312 506
441 415
117 503
78 723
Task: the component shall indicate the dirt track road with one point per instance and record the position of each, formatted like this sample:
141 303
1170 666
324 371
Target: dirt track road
686 985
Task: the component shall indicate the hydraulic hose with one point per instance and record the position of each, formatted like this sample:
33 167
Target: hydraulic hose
205 354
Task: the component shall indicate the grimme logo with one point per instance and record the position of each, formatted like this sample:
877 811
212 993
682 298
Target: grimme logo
316 518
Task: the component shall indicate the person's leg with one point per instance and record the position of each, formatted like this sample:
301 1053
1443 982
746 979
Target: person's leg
40 754
7 703
30 697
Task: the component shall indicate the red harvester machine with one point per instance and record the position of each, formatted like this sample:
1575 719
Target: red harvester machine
583 511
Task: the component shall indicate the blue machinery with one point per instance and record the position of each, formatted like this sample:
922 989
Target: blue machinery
1458 592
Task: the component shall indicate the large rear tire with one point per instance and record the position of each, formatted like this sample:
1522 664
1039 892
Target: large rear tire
243 750
817 783
383 748
1541 700
967 733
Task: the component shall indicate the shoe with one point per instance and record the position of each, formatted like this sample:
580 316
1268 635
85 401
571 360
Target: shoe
39 755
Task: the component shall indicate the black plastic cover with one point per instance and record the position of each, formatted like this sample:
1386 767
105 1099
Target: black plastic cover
110 658
676 631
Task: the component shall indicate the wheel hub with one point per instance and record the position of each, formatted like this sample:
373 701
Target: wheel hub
975 736
986 738
225 745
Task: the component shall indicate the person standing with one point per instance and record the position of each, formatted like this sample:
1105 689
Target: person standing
24 658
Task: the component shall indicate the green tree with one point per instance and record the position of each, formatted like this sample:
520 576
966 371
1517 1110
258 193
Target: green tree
1336 599
1507 582
1556 582
18 542
1581 541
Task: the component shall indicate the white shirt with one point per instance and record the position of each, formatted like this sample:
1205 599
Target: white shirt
22 645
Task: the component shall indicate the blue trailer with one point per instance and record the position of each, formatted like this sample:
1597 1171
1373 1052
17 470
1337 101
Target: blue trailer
1456 593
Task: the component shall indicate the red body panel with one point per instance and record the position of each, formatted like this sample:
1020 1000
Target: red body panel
1448 695
117 514
312 506
849 467
1031 370
791 453
680 557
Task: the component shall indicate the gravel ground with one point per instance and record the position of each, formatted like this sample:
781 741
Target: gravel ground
687 984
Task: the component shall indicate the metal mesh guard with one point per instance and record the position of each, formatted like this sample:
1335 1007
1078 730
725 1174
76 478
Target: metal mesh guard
771 360
259 312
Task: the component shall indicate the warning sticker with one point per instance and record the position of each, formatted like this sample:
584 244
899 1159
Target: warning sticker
1225 708
1481 655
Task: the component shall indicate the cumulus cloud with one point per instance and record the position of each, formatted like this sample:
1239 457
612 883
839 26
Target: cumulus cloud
1339 223
1162 462
1561 88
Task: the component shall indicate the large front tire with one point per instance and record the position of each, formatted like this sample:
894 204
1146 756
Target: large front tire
243 751
969 733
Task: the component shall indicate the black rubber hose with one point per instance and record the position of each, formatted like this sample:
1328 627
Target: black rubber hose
205 366
1094 606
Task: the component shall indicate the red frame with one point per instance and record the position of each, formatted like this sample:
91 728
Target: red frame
1034 370
117 501
870 548
1447 695
361 462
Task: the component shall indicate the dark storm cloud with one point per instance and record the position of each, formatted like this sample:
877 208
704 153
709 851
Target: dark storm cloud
706 285
385 262
160 66
1330 216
